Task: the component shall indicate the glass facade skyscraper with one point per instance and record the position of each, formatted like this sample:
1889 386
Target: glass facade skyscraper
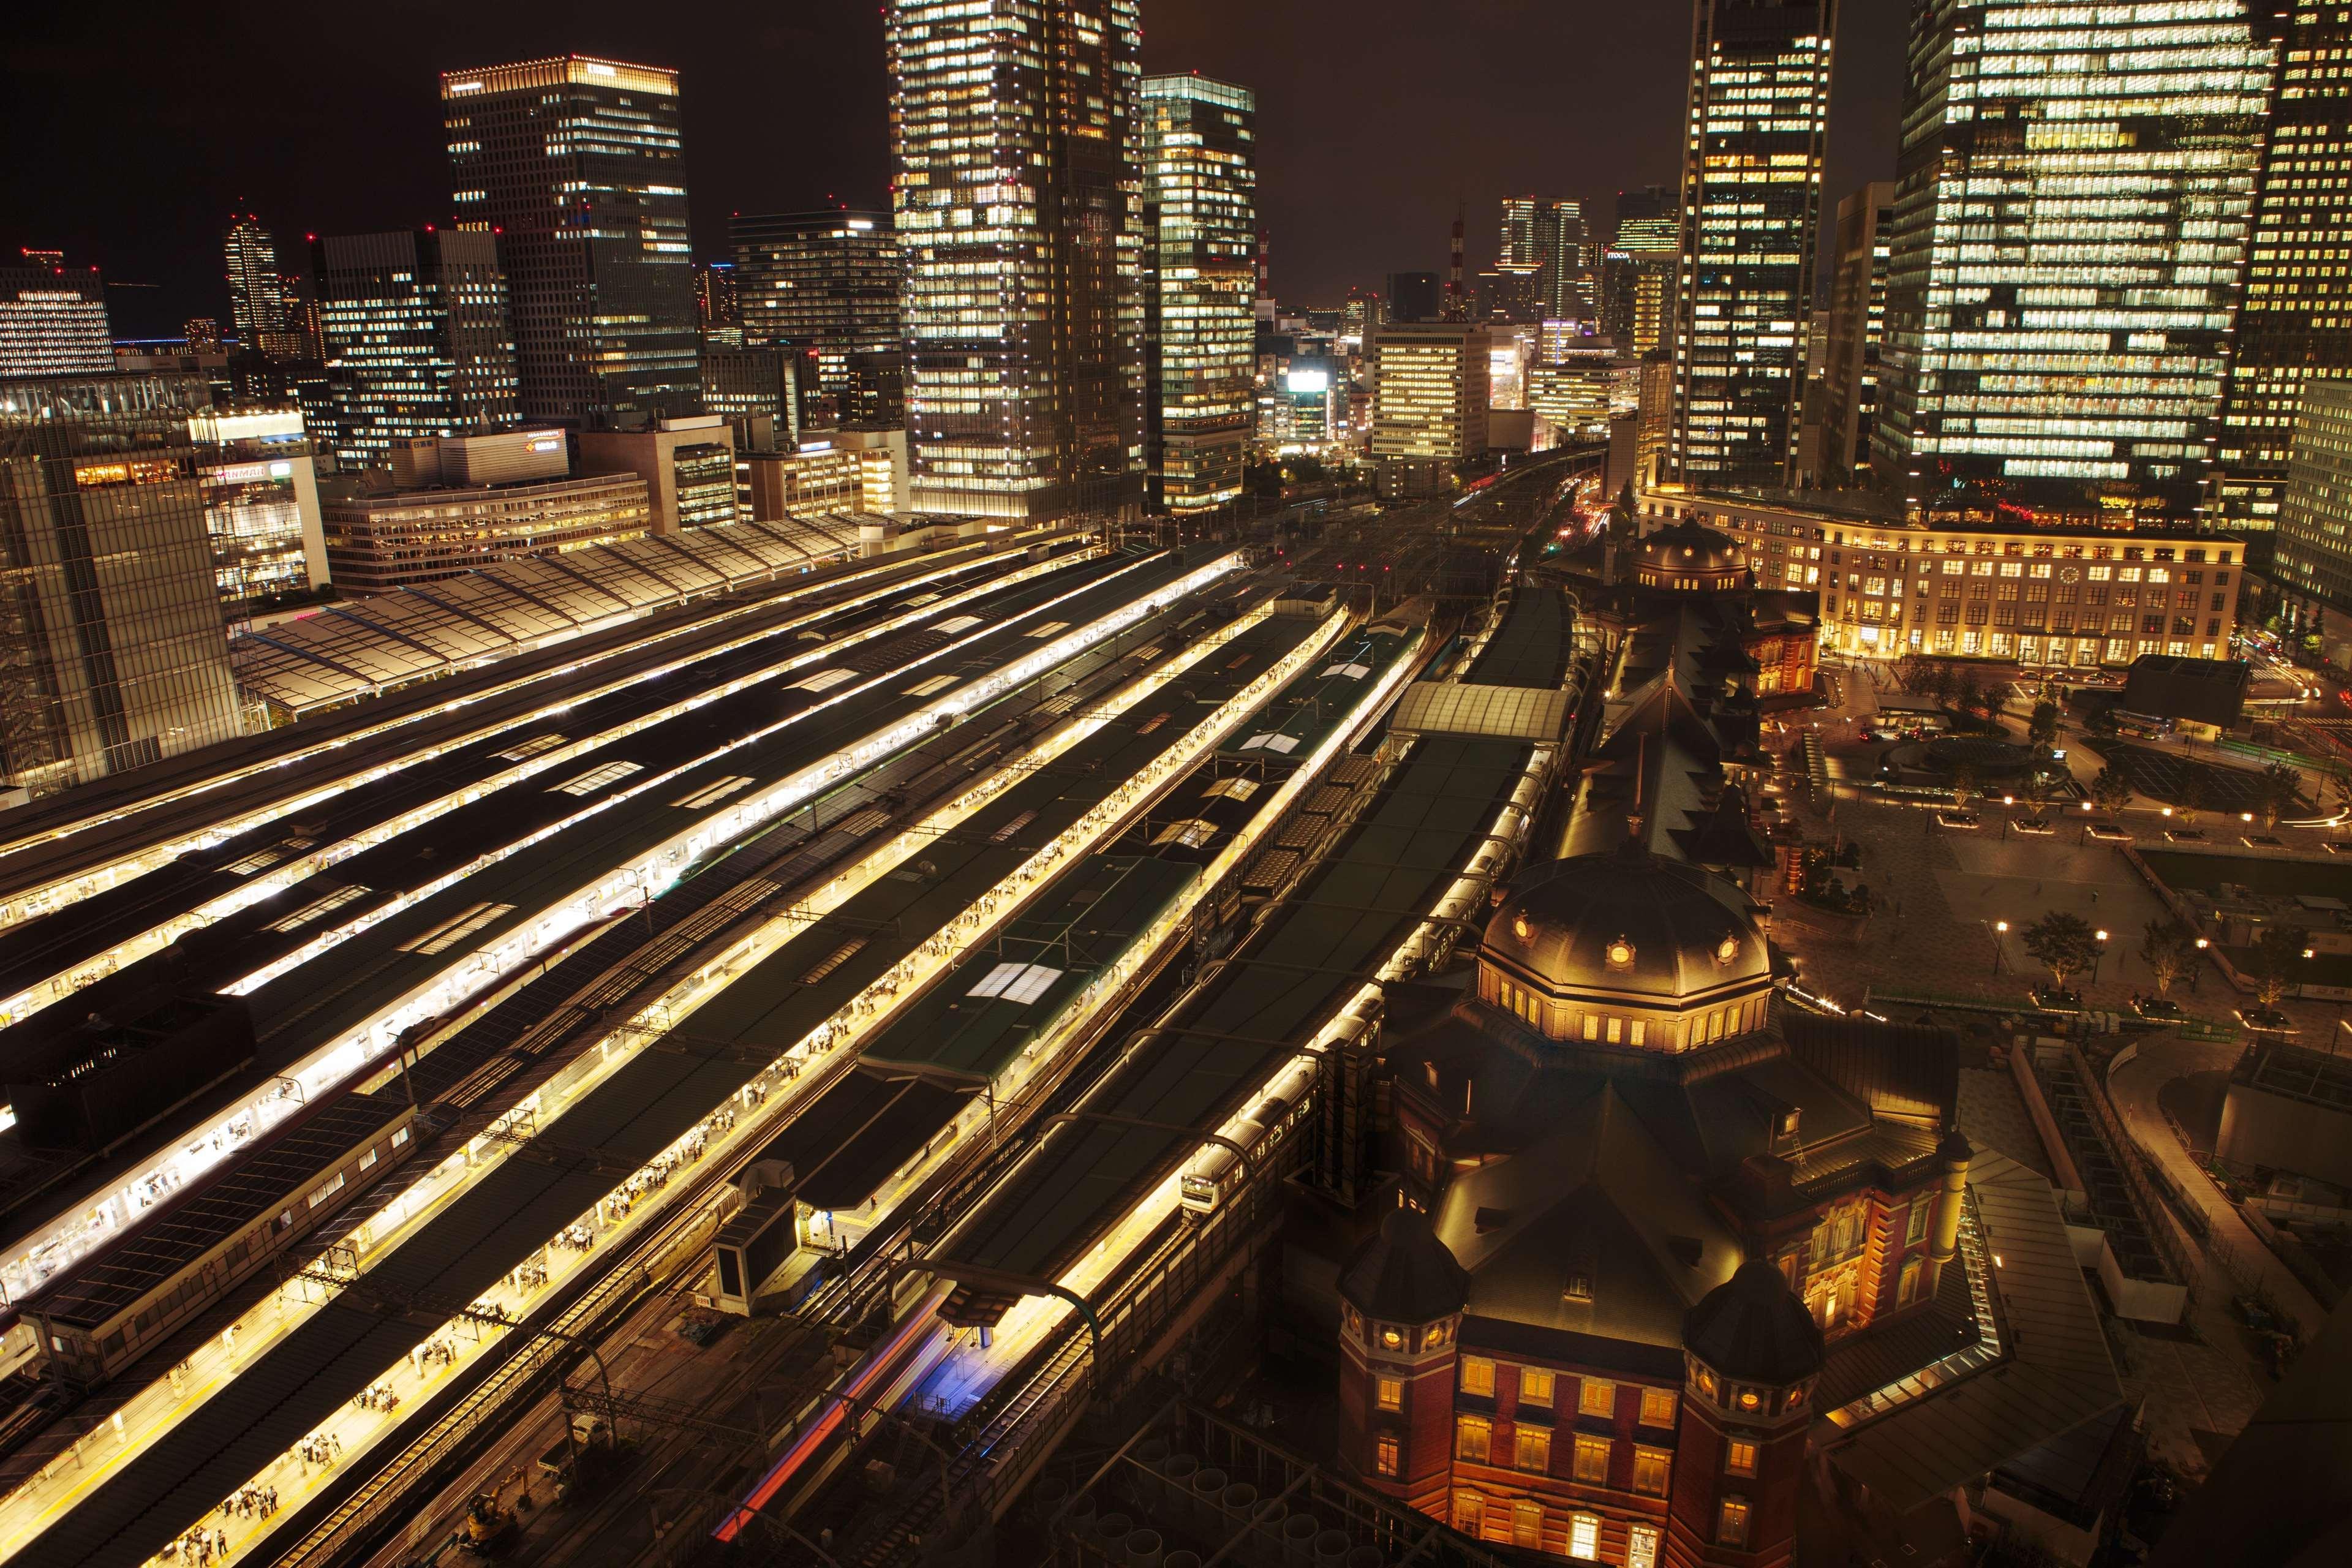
578 165
113 653
2295 325
1199 167
417 340
2070 231
1018 196
256 292
1760 92
828 283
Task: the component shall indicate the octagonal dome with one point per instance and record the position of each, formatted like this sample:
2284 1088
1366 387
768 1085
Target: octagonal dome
1628 925
1689 554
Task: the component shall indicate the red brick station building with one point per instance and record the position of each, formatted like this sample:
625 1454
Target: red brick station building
1655 1225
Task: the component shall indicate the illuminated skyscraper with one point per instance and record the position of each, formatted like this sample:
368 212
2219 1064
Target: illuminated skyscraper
53 318
2068 241
578 165
256 293
1759 93
1018 194
1640 269
2295 325
1429 402
828 283
1200 173
1857 324
417 338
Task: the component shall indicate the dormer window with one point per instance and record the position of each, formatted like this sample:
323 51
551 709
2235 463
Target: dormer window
1788 1123
1578 1287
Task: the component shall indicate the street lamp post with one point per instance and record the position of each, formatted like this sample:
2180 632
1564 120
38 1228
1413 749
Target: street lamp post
1998 927
2098 956
2201 945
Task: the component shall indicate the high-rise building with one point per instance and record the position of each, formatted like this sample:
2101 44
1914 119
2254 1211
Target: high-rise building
1857 322
53 318
418 340
1544 266
717 304
2059 305
1017 188
829 284
2292 326
203 334
112 652
257 291
2312 546
578 165
1430 399
1648 248
1760 92
1564 286
1199 191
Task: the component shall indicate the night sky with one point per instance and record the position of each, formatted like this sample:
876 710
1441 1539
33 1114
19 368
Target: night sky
136 130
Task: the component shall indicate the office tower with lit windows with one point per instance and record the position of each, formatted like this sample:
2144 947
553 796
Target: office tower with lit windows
1017 185
1430 393
53 317
112 652
256 292
416 337
1543 261
2068 246
1759 89
2295 324
578 165
1199 187
1640 269
1857 323
829 284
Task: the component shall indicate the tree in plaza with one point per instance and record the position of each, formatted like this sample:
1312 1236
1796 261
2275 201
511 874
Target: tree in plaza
2043 728
2062 944
2278 959
2112 790
1963 785
2280 786
2192 799
2169 951
1938 682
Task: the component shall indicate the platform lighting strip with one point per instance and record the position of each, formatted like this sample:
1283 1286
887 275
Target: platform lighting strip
35 901
94 1220
749 1117
59 987
1070 1023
